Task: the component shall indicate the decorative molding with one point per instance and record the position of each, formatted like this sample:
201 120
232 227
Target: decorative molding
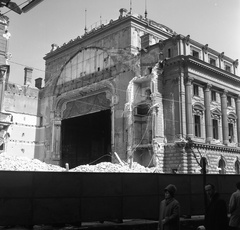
216 114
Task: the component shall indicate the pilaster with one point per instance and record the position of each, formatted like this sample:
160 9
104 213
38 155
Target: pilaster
224 117
208 113
189 115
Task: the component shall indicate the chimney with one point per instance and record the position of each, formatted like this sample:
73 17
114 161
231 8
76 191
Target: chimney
27 76
38 83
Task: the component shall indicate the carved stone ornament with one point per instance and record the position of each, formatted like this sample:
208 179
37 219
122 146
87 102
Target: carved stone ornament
221 55
205 48
174 39
235 63
187 39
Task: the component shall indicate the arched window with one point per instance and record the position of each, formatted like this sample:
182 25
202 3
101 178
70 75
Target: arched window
237 167
203 162
222 166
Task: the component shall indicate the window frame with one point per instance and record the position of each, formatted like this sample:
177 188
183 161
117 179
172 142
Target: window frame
215 129
213 95
197 126
228 67
222 166
237 167
229 101
195 90
195 52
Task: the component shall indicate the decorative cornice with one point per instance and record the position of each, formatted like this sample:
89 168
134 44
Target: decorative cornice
164 30
216 147
185 60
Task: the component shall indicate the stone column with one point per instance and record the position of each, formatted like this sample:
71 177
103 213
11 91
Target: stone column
208 120
238 119
56 139
189 114
224 117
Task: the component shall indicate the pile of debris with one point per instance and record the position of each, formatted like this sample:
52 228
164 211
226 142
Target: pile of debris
110 167
14 163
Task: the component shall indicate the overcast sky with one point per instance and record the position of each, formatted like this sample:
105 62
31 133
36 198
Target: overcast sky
212 22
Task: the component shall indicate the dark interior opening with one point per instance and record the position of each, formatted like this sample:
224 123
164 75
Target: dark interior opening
86 139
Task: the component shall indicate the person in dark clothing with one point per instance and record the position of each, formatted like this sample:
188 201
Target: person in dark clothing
169 213
234 209
216 212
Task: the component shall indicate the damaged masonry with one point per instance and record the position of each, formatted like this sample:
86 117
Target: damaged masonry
134 87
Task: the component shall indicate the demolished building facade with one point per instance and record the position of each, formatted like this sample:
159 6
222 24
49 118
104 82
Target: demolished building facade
137 88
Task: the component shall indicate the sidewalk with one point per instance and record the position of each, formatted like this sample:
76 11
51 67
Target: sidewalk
186 224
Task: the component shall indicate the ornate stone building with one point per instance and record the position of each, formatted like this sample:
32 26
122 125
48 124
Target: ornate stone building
137 88
199 90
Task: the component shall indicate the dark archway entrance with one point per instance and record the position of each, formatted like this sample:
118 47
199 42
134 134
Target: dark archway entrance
86 139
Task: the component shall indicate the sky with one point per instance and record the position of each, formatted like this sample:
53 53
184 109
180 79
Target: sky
212 22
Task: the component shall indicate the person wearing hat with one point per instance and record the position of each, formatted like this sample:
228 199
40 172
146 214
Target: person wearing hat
169 213
216 217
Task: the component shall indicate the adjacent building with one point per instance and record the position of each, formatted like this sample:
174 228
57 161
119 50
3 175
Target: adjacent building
137 88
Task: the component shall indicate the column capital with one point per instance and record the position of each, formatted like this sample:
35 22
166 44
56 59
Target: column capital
189 80
208 86
224 93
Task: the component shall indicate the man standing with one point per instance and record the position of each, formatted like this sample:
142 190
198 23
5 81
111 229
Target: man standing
234 209
169 216
216 211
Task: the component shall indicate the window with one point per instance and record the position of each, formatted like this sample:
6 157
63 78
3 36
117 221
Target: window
198 113
169 52
232 119
195 90
203 163
228 68
212 61
197 123
213 95
231 132
221 166
215 128
195 53
229 101
237 167
141 110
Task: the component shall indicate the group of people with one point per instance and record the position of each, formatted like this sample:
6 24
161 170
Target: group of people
216 216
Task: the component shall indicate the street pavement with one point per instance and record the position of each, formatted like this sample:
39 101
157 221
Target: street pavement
186 224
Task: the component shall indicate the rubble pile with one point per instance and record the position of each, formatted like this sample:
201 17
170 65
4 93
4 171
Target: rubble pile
110 167
14 163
